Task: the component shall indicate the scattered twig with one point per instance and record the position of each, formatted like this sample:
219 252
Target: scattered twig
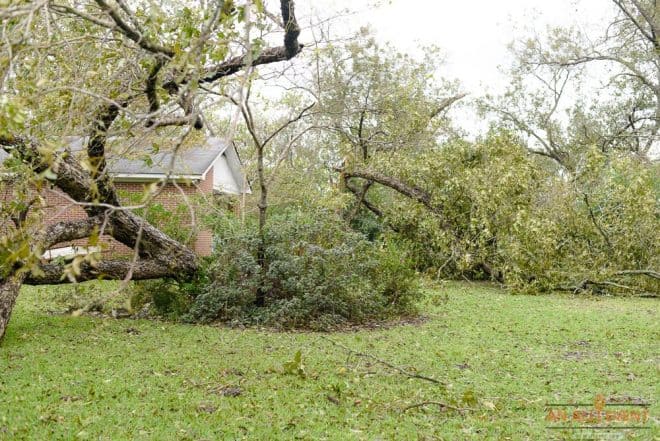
401 370
440 404
650 273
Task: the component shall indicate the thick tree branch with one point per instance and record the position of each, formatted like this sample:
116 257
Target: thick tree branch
96 145
291 28
71 230
132 33
233 65
150 89
106 269
411 191
77 183
290 49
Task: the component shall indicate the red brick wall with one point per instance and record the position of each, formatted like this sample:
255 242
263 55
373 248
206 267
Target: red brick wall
59 208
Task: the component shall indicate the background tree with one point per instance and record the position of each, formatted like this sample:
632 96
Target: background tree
261 137
613 81
378 107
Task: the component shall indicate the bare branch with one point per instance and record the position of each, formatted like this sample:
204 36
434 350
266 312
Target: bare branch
288 123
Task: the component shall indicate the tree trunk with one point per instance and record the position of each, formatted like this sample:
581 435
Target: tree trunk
260 299
160 255
9 289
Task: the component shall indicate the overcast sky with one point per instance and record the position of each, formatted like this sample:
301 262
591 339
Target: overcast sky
474 35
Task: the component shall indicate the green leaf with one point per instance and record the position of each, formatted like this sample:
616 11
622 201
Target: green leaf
295 366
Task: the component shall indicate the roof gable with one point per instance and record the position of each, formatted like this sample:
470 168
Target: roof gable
144 165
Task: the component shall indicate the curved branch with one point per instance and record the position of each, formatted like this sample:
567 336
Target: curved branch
290 49
233 65
401 187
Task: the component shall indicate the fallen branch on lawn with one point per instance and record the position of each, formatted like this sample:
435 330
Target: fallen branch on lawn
401 370
440 404
650 273
583 285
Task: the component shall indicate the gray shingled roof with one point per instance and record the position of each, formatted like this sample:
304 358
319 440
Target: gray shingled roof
191 162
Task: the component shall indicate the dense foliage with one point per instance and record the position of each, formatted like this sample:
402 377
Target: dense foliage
504 215
319 274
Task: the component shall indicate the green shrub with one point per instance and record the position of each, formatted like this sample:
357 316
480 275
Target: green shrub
319 274
168 298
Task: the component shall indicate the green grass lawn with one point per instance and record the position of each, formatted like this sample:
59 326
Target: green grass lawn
501 358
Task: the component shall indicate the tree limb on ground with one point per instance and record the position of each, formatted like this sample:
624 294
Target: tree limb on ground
399 369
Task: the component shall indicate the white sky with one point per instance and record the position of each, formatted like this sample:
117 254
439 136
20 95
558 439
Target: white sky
474 34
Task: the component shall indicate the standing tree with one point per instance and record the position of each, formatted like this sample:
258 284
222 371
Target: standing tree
261 139
622 113
109 68
379 109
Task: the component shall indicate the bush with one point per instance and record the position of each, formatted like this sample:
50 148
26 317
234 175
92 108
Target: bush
319 274
167 298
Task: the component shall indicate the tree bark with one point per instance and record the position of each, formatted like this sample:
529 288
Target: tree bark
260 299
9 290
105 269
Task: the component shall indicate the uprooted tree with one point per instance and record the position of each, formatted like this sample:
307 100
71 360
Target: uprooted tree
111 69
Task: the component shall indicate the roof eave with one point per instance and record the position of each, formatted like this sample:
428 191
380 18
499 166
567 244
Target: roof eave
152 177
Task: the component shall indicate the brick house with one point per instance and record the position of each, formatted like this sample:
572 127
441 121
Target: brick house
201 173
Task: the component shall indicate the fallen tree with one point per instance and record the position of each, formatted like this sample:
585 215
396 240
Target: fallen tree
418 195
162 77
